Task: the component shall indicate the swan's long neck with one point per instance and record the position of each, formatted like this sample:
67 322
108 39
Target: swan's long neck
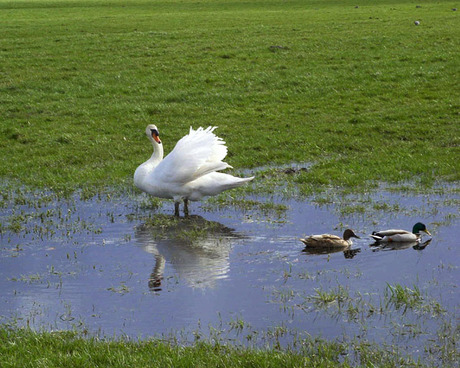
157 154
143 171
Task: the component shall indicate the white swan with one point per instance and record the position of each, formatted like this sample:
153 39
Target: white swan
189 172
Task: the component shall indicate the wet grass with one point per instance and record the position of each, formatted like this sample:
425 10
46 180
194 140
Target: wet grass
325 297
404 298
404 307
26 348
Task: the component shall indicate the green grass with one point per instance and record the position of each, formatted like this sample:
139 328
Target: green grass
322 298
362 93
25 348
402 296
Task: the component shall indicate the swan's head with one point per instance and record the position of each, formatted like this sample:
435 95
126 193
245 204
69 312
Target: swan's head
152 133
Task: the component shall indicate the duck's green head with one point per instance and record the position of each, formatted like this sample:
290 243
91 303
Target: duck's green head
420 227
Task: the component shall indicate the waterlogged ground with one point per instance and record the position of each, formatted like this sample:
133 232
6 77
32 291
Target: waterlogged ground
122 266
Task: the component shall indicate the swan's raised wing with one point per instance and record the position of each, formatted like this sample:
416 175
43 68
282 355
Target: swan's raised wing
198 153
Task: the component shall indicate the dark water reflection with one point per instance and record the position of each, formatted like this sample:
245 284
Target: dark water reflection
348 253
114 267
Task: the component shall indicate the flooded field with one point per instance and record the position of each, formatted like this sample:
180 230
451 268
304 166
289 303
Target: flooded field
118 266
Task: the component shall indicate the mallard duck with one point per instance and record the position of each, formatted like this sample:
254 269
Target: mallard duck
190 171
329 241
394 235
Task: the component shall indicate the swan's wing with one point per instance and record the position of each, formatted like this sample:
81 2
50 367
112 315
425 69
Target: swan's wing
198 153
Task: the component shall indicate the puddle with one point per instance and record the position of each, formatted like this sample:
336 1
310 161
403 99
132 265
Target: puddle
114 267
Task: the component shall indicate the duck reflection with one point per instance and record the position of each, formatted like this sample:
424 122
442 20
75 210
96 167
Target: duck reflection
347 253
416 245
196 248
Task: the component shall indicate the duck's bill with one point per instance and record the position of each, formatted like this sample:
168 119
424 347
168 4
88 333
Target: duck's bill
428 232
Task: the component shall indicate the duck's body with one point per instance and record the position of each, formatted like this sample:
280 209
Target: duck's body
189 172
400 236
329 240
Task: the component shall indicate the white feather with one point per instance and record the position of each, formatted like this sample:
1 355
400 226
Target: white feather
189 172
196 154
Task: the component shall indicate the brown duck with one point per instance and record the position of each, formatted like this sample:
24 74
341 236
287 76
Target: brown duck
330 241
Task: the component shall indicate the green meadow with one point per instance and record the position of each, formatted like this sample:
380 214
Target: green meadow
355 90
353 87
26 349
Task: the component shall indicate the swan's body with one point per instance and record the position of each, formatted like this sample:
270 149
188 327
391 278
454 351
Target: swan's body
189 172
329 241
400 236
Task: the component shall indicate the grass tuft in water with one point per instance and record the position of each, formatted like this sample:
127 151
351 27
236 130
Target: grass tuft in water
323 298
404 298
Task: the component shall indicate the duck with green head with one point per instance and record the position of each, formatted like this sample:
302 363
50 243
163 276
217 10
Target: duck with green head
399 236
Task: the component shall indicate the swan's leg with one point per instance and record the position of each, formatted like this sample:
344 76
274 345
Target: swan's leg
186 207
176 209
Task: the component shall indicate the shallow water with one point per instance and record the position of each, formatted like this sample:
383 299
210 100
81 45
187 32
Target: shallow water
112 266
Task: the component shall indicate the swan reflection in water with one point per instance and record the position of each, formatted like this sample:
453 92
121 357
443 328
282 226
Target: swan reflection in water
196 248
416 245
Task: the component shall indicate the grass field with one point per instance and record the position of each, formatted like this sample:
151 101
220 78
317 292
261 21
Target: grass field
361 92
25 348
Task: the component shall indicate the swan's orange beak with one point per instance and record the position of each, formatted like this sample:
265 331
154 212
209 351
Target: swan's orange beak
156 136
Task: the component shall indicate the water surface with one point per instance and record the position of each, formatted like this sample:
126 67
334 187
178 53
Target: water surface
115 267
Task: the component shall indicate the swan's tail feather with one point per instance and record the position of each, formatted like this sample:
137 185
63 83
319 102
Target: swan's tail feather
245 180
217 182
235 182
237 179
209 168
